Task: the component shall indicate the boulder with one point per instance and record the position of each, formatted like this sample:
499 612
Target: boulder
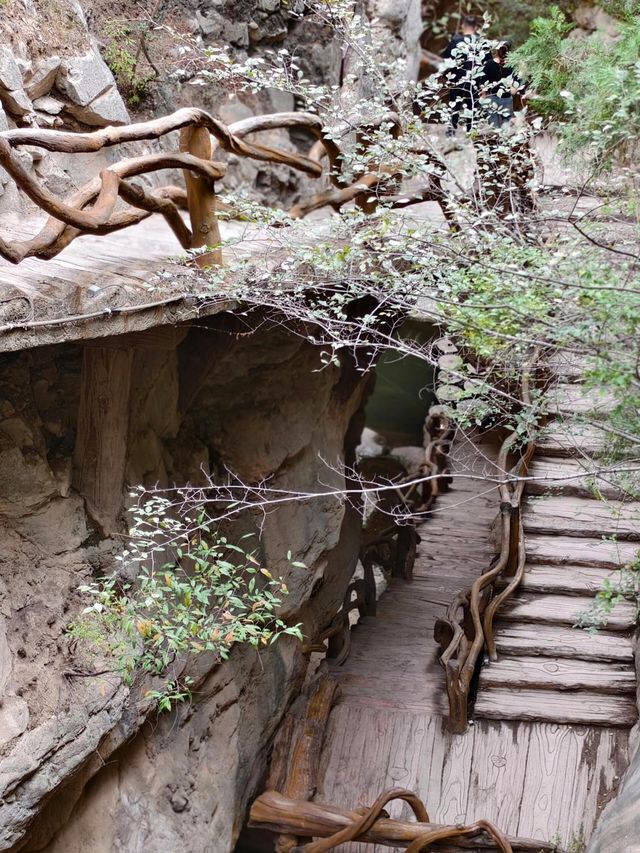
210 24
46 120
49 105
594 19
106 110
10 76
16 102
84 78
14 718
237 33
43 76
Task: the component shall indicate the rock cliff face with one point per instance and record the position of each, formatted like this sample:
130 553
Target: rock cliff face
52 76
82 765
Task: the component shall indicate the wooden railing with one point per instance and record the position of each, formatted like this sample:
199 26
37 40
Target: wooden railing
393 547
94 208
467 628
285 809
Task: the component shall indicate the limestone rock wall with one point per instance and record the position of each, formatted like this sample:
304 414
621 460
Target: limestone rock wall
52 76
80 759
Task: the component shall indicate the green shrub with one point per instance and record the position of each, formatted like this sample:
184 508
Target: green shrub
194 591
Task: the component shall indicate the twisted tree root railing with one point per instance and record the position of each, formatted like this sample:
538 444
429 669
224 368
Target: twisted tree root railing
394 547
333 826
93 209
468 626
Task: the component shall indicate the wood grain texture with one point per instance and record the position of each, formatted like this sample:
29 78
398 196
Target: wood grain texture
567 439
388 727
553 641
561 550
582 708
582 478
497 779
563 610
568 398
572 580
103 426
566 767
580 517
559 674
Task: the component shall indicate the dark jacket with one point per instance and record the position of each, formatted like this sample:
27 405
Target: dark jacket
493 76
464 65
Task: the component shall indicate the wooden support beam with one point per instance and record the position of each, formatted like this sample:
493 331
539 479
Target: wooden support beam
298 745
280 814
103 426
201 197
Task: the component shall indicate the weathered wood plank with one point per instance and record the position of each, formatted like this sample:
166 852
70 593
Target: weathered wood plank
558 674
563 770
560 550
555 641
580 517
566 398
498 774
566 439
563 610
579 478
582 708
573 580
103 426
456 777
297 747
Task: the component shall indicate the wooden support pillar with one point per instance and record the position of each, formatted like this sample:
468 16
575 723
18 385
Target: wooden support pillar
103 427
514 539
201 197
296 753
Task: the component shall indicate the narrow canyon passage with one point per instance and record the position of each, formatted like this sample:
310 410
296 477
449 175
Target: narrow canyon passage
534 780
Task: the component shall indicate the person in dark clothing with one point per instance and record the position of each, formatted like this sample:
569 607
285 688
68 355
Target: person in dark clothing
462 73
499 84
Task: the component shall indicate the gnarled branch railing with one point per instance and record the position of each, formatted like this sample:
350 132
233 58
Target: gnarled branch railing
93 209
333 826
468 626
393 547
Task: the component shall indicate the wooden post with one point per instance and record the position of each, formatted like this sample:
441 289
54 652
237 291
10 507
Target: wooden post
101 436
296 752
514 539
201 197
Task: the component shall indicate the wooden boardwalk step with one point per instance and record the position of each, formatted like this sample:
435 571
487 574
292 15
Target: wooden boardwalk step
571 477
558 674
568 398
570 516
567 439
560 550
583 708
556 641
566 366
562 610
570 580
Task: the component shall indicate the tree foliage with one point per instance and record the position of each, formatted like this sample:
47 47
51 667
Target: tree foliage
184 588
590 86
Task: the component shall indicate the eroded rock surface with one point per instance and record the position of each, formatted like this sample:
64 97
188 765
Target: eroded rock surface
73 746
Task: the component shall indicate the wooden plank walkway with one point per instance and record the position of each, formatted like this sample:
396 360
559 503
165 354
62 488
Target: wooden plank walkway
127 281
534 779
561 672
